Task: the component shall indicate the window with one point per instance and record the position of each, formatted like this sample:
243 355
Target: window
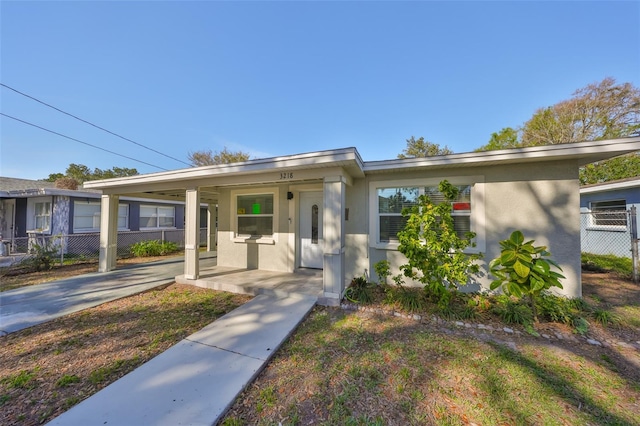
255 215
391 201
43 216
388 199
86 216
157 217
609 213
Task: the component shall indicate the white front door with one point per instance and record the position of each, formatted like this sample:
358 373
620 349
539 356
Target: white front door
8 225
311 246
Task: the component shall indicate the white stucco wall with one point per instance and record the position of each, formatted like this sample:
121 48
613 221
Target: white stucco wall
541 200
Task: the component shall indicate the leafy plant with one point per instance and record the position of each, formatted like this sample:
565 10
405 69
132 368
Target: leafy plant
41 256
383 271
153 248
359 291
524 269
511 311
434 250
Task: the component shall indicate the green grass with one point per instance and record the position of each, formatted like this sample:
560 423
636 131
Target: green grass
621 266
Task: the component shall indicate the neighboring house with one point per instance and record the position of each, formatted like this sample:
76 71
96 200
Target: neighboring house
333 211
30 208
605 209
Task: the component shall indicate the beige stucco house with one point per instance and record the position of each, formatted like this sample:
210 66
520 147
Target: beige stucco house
331 210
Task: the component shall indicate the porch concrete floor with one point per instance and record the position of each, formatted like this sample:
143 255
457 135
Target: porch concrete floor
306 282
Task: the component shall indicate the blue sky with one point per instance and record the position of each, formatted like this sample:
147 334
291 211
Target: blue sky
279 78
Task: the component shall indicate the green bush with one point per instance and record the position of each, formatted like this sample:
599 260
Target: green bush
359 291
153 248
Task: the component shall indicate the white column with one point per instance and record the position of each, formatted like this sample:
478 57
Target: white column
212 231
108 233
333 236
192 234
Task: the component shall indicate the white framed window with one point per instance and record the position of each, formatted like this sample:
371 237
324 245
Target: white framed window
254 215
388 199
39 214
610 214
86 216
157 217
43 216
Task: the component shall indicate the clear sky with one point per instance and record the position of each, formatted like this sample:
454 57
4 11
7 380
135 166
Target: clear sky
279 78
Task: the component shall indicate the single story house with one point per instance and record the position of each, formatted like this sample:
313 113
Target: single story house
35 207
606 216
333 211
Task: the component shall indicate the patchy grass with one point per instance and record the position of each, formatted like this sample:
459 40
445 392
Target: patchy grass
362 368
621 266
48 368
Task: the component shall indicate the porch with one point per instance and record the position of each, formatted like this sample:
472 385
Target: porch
302 282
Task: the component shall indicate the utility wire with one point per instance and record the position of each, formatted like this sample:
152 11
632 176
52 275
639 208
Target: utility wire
79 141
94 125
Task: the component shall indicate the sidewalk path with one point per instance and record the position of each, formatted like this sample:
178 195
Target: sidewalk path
195 381
31 305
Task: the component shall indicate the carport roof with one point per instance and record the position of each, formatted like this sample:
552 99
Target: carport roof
171 184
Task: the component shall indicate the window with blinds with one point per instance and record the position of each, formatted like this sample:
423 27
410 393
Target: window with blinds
391 202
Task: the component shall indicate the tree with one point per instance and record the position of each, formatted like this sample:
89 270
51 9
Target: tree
209 158
600 111
419 148
613 169
81 173
435 252
505 138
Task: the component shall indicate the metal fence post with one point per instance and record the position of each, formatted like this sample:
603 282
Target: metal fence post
633 216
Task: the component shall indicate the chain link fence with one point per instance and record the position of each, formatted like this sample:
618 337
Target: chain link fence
611 232
87 245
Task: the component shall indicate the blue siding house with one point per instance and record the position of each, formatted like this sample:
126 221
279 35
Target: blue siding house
606 219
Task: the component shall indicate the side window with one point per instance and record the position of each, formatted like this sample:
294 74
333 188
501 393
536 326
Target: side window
609 213
157 217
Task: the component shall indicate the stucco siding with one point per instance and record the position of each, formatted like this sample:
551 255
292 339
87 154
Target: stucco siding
517 197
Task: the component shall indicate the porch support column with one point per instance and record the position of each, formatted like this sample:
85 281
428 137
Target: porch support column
192 234
333 236
108 233
212 211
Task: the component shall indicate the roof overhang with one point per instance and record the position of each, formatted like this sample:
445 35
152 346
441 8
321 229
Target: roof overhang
171 185
582 152
611 186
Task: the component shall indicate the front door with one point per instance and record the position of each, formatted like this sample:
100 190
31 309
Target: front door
8 227
311 246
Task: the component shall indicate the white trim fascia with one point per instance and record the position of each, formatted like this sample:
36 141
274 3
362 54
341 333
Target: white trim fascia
612 147
603 187
346 157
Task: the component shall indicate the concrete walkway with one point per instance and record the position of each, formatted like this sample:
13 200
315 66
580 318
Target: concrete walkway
28 306
195 381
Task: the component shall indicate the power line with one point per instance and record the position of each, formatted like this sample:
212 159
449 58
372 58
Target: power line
79 141
94 125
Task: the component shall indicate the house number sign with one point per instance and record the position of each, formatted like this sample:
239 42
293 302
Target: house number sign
286 175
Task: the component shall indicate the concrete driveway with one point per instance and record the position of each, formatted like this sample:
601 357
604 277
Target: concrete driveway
28 306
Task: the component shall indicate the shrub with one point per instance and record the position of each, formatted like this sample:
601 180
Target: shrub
434 250
41 257
359 291
512 311
524 269
153 248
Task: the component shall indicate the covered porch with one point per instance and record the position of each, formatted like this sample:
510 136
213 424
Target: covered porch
254 220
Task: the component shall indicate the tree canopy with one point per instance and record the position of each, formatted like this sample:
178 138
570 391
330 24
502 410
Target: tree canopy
81 173
208 157
599 111
419 148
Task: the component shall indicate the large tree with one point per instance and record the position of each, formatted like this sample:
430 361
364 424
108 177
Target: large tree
209 158
505 138
419 148
81 173
604 110
599 111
